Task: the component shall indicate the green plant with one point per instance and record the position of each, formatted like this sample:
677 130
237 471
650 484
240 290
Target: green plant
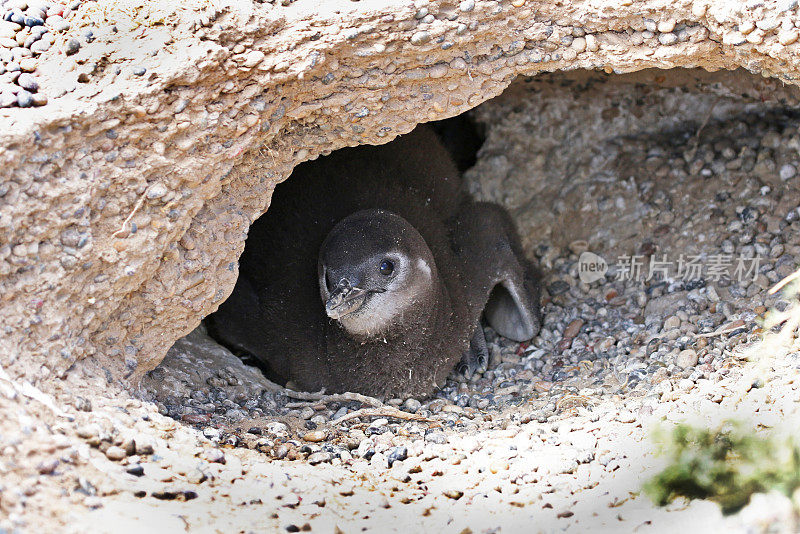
726 465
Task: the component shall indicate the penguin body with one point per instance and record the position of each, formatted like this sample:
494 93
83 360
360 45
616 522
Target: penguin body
371 270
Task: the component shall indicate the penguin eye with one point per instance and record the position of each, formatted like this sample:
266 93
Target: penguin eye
387 267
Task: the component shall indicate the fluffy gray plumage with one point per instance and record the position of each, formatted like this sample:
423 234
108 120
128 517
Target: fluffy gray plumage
371 271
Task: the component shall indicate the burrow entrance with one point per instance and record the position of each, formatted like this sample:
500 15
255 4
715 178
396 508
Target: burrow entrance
683 185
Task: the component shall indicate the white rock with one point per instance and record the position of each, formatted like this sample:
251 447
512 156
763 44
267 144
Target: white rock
666 26
667 39
686 358
767 24
253 58
733 38
787 171
787 37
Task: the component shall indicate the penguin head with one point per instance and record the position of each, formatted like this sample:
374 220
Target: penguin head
374 268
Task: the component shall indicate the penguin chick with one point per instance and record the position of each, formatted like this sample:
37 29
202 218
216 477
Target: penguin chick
371 271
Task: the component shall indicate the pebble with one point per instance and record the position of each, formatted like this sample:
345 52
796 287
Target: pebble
47 467
135 470
672 322
397 454
319 457
115 453
420 38
28 82
573 328
787 37
411 405
787 172
667 39
215 456
72 46
24 99
7 99
686 358
315 436
626 416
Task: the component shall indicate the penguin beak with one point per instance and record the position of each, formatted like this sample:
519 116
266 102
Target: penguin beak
344 299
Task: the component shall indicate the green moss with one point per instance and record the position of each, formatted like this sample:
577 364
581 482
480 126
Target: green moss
726 465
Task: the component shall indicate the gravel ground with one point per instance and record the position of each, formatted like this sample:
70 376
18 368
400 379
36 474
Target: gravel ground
556 435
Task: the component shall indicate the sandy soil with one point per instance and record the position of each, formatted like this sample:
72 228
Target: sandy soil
557 435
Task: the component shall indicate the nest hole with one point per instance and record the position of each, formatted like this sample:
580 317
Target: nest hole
660 207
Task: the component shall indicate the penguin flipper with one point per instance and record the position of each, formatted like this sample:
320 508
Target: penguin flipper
505 285
513 307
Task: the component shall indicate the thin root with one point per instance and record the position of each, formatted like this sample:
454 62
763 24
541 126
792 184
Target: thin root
129 217
337 397
385 411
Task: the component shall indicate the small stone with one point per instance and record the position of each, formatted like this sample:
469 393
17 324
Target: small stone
466 6
47 467
8 30
411 405
667 39
787 172
39 47
214 456
28 82
579 44
27 64
454 494
666 26
787 37
397 454
626 416
72 46
733 38
7 99
88 431
436 437
672 322
157 190
315 436
115 453
24 99
39 99
138 71
253 58
573 328
196 476
686 358
558 287
420 38
319 457
59 25
33 21
135 470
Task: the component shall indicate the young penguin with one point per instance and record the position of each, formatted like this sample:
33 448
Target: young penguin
371 270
